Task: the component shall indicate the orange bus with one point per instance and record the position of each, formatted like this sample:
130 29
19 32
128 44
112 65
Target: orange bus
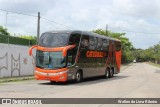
75 55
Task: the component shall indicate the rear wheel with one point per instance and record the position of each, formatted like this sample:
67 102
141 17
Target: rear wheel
79 76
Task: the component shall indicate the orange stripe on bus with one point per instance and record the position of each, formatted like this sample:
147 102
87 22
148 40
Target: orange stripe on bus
63 49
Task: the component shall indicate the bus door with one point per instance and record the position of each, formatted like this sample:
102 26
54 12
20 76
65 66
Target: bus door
72 53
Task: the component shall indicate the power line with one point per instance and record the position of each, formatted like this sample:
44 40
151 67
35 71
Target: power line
8 11
51 24
18 13
57 23
133 31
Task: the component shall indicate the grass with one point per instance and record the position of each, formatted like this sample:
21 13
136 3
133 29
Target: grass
151 63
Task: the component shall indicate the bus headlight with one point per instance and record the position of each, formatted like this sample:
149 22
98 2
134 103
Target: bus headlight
60 73
42 73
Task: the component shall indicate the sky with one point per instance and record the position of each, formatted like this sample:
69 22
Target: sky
139 19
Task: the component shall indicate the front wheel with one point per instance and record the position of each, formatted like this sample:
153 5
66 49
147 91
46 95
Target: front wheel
79 76
107 72
111 73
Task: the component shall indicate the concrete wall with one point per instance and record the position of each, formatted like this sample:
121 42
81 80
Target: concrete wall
15 61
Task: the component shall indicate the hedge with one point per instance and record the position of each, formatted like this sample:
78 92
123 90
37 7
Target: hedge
16 40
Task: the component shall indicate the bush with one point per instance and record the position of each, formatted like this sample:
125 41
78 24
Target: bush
16 40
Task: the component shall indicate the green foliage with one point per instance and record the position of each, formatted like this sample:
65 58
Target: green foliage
4 31
126 44
16 40
150 54
23 40
28 37
127 56
33 39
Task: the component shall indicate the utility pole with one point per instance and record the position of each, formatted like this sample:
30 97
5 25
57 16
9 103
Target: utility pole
6 20
38 27
107 30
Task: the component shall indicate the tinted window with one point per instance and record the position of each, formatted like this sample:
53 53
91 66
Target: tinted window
53 39
99 45
74 39
85 41
105 44
92 43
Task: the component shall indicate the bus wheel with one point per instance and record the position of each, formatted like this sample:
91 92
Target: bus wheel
107 73
79 76
111 73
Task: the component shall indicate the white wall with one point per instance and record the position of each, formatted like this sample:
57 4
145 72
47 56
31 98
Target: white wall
15 61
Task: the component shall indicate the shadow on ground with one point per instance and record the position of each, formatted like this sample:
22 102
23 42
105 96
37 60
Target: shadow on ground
86 81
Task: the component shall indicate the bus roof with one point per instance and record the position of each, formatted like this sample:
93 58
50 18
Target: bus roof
84 32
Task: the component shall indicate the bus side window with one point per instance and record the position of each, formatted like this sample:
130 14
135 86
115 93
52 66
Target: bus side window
85 42
74 39
92 43
105 44
99 45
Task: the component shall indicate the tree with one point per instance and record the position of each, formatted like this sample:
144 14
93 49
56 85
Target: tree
28 37
4 31
126 44
150 54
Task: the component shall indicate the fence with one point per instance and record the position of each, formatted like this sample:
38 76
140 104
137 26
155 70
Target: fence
16 40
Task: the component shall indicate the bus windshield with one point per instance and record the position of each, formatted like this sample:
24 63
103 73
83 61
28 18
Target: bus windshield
54 39
50 60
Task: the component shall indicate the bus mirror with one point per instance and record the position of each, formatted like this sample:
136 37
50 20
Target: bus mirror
30 50
68 48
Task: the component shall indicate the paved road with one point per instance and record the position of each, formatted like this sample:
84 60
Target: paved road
138 80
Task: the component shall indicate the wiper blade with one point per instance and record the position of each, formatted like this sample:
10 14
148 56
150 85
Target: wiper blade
39 67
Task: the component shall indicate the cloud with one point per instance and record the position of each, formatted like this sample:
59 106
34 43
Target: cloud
125 15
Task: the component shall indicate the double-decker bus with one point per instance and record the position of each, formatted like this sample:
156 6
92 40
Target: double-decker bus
75 55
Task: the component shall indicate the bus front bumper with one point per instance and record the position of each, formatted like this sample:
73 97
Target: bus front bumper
58 77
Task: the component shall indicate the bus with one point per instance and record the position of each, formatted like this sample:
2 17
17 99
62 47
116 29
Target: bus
74 55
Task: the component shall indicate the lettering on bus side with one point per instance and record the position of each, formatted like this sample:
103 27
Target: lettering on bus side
95 54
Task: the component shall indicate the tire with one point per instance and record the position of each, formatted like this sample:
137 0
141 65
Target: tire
107 73
111 73
79 76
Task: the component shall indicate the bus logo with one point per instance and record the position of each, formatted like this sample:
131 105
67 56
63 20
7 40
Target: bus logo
95 54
